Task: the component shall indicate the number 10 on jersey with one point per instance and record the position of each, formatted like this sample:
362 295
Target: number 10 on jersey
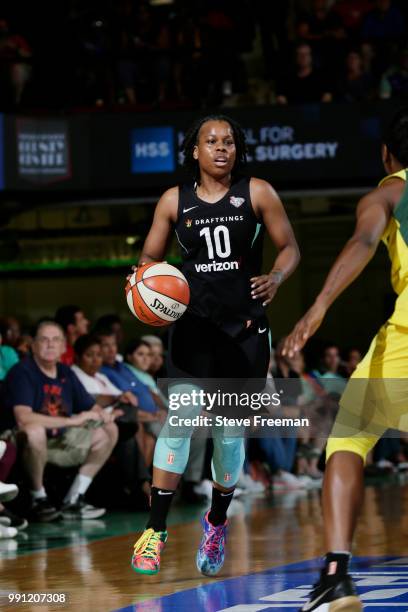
220 240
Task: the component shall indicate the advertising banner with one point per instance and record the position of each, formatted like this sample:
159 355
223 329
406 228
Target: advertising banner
297 148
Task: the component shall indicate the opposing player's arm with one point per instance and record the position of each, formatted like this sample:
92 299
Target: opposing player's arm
269 208
158 237
373 214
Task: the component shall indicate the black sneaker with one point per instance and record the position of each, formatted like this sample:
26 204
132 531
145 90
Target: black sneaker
330 596
9 519
80 510
42 511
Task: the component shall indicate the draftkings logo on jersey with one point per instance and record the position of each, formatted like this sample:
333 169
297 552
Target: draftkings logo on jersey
152 150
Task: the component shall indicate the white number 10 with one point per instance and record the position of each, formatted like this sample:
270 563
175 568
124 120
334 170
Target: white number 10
222 251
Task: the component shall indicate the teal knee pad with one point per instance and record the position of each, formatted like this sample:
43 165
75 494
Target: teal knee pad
228 459
171 454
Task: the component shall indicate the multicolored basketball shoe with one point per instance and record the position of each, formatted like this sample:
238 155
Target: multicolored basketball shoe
211 553
146 556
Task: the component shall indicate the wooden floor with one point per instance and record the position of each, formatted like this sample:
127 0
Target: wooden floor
96 575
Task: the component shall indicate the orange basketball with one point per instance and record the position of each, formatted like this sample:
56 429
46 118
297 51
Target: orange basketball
157 294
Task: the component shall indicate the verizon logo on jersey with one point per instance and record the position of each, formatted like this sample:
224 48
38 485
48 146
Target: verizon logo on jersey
217 266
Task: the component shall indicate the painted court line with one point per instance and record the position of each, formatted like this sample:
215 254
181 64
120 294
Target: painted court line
287 587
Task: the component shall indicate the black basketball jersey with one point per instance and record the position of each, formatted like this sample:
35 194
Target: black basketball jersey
221 248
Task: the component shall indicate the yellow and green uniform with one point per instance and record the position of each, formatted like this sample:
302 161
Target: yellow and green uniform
376 397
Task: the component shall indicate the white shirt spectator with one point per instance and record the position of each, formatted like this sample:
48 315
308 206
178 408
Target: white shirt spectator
96 385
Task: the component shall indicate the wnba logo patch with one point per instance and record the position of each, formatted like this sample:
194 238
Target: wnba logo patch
170 458
189 222
227 477
237 202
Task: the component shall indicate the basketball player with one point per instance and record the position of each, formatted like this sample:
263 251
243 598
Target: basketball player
219 220
374 399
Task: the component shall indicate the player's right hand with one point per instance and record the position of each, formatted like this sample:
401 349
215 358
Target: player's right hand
304 329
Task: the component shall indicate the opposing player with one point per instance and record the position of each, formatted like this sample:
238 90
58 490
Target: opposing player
376 396
219 220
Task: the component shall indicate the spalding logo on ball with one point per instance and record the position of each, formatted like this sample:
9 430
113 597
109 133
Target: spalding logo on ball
157 294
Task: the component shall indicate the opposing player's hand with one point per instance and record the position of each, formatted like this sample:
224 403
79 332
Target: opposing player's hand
264 287
304 329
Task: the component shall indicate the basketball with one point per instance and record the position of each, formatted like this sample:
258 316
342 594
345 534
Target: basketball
157 294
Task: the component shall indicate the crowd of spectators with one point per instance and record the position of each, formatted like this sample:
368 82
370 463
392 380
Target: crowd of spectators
85 402
195 53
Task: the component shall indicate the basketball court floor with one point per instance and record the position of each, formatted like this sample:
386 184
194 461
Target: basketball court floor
273 553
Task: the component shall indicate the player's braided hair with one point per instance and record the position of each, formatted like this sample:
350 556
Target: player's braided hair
191 139
396 136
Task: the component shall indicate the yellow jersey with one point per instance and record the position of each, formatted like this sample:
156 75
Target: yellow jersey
395 238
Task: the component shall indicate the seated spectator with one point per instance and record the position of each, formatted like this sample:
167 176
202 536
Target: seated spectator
8 356
303 84
136 55
11 334
23 346
352 358
138 358
11 331
394 82
352 13
121 376
354 85
88 362
88 358
75 324
58 422
280 452
384 23
322 28
113 323
328 374
156 368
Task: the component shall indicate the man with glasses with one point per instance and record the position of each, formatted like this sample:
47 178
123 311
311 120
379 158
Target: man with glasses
59 423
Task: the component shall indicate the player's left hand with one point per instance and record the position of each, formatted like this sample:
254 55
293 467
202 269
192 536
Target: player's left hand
264 288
